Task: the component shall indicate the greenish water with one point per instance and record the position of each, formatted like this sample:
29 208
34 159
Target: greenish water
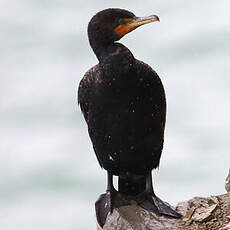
50 177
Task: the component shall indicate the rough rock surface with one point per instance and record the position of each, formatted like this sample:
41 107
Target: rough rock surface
212 213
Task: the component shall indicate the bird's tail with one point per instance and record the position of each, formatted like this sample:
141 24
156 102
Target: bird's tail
130 186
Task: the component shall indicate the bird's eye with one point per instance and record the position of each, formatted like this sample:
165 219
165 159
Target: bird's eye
121 21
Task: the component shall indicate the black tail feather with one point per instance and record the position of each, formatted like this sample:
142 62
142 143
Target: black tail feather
131 187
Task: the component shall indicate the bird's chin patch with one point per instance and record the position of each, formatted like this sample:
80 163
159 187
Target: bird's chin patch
122 30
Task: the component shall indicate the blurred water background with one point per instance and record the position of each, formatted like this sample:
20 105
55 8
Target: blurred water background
50 177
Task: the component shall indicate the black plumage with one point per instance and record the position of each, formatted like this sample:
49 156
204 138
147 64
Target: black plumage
123 103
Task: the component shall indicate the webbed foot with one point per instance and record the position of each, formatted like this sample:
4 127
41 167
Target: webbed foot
105 205
152 203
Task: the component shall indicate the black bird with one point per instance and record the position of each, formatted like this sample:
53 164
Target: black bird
123 102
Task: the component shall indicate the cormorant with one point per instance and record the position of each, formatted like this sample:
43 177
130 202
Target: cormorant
123 103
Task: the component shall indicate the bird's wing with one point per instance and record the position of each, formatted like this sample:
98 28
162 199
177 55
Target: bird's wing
85 89
84 94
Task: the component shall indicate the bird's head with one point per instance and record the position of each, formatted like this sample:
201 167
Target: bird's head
110 25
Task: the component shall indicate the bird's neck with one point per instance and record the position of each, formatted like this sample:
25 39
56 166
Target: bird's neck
115 56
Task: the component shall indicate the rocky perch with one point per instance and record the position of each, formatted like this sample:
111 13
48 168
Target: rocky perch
212 213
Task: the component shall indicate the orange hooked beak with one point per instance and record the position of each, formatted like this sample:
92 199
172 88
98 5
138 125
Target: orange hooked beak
130 24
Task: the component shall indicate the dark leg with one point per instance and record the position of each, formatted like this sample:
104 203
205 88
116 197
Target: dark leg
110 192
105 203
149 183
150 202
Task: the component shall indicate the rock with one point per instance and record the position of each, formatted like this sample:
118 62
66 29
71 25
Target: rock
211 213
226 227
227 182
